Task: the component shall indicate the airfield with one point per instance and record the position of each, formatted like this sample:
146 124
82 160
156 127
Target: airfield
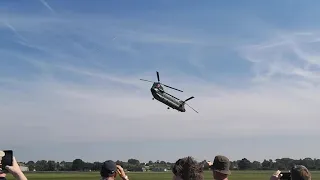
236 175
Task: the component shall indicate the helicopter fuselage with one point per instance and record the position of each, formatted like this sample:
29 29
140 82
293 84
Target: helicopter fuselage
159 94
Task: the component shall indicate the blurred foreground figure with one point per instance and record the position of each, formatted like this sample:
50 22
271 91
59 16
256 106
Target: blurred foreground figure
187 169
298 172
220 167
2 175
109 171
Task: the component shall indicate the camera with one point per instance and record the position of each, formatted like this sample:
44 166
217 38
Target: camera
285 175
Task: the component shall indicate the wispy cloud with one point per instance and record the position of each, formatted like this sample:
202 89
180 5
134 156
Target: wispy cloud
291 57
47 5
14 31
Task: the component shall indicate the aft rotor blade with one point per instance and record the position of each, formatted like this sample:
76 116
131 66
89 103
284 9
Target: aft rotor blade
192 108
172 96
188 99
146 80
158 76
172 87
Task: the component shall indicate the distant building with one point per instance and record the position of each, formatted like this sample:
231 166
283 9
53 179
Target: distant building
24 168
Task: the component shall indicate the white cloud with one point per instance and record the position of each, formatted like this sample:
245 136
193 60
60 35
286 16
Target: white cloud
97 106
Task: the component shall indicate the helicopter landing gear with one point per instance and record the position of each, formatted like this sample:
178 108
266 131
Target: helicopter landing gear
168 108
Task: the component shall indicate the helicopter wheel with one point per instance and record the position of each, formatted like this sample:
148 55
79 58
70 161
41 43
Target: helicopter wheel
168 108
152 98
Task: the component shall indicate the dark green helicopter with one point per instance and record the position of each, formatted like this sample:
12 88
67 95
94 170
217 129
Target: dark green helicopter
159 94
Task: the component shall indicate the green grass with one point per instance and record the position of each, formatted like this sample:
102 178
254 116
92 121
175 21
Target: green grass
236 175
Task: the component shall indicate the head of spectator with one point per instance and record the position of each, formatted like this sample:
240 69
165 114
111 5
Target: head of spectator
220 168
300 172
108 170
187 168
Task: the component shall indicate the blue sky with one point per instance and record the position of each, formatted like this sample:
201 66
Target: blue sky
70 70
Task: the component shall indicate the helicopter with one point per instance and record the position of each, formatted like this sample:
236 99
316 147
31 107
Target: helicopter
161 95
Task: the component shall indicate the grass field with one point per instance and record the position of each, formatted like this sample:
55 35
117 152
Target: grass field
242 175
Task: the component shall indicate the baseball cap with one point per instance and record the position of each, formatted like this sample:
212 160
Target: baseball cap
108 168
300 172
221 164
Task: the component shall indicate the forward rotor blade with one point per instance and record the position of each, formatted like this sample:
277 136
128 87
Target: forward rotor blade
172 87
172 96
192 108
188 99
146 80
158 76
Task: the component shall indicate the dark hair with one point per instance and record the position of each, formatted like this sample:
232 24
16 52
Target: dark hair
188 169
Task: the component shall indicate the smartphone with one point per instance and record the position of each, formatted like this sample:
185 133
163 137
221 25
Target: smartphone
6 160
285 175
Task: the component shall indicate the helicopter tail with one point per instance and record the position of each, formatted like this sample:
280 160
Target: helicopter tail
188 104
188 99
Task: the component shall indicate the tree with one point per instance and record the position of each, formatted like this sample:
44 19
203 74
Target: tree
51 165
96 166
267 164
256 165
31 165
133 161
57 166
244 164
78 165
234 165
42 165
136 165
163 162
309 163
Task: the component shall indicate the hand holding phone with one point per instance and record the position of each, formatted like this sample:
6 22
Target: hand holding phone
119 170
209 163
121 173
285 175
10 164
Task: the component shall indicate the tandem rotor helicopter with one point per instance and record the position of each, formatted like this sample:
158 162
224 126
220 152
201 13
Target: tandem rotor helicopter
173 102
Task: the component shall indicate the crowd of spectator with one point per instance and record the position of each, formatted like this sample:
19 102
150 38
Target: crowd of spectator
186 168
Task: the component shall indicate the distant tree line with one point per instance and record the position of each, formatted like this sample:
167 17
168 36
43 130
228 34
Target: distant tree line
136 165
